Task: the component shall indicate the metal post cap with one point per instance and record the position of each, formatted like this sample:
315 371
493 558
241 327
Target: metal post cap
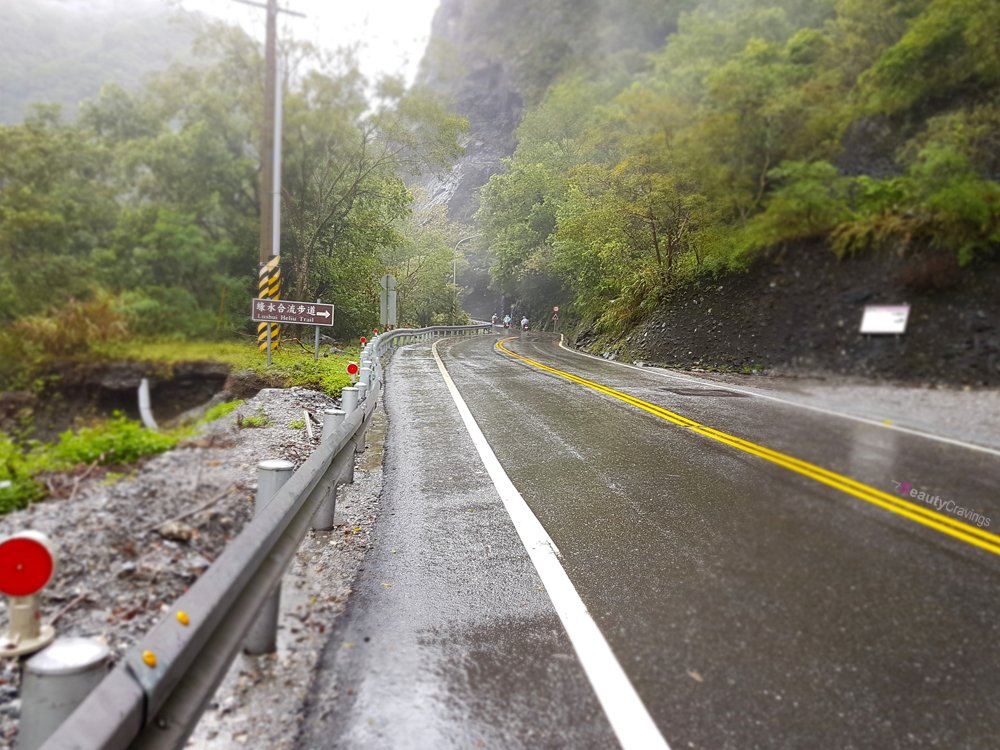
275 464
68 656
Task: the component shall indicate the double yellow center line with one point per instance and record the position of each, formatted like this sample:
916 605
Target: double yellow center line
952 527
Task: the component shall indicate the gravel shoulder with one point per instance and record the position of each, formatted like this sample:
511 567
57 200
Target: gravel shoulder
130 547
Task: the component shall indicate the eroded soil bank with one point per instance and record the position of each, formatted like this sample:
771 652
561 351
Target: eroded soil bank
798 311
74 392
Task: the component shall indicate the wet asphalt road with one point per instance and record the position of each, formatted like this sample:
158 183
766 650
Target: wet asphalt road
751 606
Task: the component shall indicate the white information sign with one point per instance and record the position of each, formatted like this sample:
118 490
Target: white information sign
885 318
290 311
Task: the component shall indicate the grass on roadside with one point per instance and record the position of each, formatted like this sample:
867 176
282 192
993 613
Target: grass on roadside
291 365
220 410
120 441
114 441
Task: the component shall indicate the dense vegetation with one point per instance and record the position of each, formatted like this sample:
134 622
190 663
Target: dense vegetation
131 229
92 441
872 124
114 441
141 215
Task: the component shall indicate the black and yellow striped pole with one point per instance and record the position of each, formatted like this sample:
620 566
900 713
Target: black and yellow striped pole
269 287
269 271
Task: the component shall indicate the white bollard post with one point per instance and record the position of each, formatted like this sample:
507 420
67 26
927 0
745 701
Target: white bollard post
349 400
332 419
323 518
56 681
262 638
359 442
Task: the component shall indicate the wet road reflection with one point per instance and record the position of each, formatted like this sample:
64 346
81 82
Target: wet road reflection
752 605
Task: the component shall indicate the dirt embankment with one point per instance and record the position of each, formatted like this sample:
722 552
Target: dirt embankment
799 311
70 392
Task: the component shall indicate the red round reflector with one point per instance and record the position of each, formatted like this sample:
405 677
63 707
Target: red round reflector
26 565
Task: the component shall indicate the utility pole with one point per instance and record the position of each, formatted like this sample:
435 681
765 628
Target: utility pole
454 274
269 268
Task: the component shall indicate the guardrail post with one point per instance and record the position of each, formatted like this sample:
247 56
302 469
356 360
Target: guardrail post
323 517
56 681
349 398
332 419
262 638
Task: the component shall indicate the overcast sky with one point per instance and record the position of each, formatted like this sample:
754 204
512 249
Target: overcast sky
392 33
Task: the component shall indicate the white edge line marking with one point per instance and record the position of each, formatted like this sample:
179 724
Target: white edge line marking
844 415
626 713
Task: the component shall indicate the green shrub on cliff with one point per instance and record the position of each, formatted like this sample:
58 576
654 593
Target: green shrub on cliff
872 124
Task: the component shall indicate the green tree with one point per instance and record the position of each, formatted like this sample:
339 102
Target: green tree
57 204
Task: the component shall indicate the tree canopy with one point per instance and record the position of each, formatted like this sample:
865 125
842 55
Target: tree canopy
151 196
757 123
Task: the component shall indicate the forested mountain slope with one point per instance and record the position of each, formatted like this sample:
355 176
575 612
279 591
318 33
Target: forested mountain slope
63 51
662 145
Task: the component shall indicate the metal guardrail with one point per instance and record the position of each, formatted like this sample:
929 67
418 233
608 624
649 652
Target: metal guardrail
388 340
157 693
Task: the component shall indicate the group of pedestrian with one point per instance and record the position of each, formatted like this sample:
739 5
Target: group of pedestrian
507 321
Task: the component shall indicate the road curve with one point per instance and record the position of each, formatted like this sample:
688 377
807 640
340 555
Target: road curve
753 566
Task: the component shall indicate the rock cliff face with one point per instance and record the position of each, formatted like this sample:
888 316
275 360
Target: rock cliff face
493 58
479 86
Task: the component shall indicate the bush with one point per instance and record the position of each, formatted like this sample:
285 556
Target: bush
255 420
116 441
811 200
74 327
17 488
220 410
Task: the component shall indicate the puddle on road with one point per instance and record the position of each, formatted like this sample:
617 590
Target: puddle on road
374 444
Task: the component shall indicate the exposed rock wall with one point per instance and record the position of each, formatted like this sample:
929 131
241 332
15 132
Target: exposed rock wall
799 311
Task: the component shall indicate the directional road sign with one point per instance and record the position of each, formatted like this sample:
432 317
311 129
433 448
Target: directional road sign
387 300
289 311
